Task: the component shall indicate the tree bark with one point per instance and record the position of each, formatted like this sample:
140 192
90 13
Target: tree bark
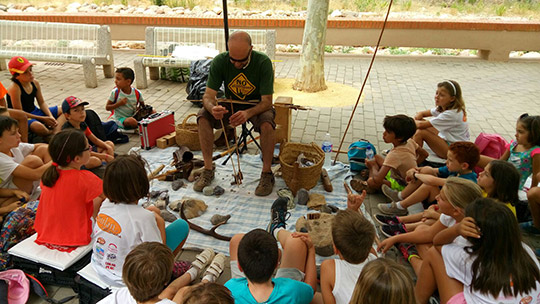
310 77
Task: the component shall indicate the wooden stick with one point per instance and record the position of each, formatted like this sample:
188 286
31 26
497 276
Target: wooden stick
365 81
155 172
228 151
211 232
255 102
327 183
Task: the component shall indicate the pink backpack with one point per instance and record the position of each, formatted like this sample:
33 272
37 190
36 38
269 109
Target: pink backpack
492 145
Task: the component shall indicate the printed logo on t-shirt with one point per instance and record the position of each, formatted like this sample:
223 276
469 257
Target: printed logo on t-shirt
101 241
108 224
526 300
241 86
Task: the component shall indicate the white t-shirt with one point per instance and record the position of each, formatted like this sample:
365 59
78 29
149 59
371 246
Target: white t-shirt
449 221
346 276
8 164
458 264
451 124
122 296
130 107
117 230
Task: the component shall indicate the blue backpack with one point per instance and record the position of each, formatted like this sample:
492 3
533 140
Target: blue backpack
357 154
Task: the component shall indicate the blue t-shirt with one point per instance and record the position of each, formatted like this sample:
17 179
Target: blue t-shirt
285 291
445 173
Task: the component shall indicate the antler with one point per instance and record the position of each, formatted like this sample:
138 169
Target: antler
212 232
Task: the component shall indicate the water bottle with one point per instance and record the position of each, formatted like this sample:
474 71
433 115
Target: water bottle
369 153
327 149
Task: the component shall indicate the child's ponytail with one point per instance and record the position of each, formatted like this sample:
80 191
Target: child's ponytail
63 148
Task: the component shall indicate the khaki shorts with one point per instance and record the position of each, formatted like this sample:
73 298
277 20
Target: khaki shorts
256 120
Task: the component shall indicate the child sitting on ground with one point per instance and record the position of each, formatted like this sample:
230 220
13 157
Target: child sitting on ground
404 155
147 272
449 122
499 180
124 99
19 115
73 109
22 94
461 159
455 195
70 197
384 281
21 164
255 256
122 224
352 237
483 259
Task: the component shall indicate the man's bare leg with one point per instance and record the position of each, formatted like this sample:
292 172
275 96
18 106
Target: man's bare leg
267 145
206 139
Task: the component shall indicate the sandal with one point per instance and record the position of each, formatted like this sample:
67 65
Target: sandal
216 268
203 259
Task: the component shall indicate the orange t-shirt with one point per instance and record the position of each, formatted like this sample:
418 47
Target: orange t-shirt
64 211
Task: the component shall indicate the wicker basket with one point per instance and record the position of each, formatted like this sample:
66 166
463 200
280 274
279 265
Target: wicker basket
187 134
296 177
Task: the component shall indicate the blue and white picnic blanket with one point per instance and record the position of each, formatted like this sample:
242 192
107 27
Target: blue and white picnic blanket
247 210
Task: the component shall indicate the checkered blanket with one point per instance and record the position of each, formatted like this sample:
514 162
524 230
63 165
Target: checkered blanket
247 210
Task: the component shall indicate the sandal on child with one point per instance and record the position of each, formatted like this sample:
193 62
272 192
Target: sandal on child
216 268
203 259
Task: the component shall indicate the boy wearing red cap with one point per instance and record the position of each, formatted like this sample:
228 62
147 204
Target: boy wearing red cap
102 151
23 92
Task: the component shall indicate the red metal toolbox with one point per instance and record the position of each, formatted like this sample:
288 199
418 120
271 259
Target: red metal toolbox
154 127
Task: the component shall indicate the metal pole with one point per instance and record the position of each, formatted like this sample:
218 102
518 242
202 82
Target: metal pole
226 24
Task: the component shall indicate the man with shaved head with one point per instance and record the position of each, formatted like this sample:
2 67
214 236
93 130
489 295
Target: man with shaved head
247 75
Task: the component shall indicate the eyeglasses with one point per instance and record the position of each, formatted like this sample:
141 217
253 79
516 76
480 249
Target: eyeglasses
247 59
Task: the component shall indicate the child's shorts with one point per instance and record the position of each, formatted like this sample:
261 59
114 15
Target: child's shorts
290 273
37 111
457 299
394 184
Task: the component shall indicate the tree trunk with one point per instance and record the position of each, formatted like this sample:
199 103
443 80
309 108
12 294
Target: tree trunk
310 77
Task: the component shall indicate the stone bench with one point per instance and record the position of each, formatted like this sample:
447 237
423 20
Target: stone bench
85 44
159 41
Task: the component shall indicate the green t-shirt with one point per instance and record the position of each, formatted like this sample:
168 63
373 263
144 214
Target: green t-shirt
251 83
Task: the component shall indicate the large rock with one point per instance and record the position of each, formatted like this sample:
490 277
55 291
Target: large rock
192 207
319 227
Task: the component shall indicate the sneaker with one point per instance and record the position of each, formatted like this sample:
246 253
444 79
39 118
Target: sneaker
408 251
387 219
391 230
266 185
390 193
392 209
204 180
279 215
203 259
528 227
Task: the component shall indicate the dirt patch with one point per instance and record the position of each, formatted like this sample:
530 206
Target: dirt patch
337 94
